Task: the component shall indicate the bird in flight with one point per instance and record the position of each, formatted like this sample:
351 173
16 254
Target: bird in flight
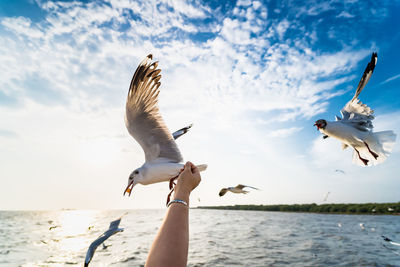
354 129
237 189
326 196
341 171
163 160
113 229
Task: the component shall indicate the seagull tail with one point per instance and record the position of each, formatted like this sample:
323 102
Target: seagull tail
381 143
202 167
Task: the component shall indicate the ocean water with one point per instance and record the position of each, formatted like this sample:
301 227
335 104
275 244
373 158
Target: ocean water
217 238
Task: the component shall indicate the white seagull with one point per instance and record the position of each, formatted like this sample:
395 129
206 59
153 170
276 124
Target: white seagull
113 229
387 239
326 196
355 127
163 160
237 189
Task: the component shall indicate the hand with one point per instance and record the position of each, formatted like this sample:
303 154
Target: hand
188 180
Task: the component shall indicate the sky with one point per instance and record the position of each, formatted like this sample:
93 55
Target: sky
252 77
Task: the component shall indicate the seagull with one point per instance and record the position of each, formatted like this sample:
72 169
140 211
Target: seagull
237 189
326 196
163 160
341 171
390 241
113 229
355 127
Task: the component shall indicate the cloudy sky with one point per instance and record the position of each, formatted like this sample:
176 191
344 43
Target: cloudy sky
251 76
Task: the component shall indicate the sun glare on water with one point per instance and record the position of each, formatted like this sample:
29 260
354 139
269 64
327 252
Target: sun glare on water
74 228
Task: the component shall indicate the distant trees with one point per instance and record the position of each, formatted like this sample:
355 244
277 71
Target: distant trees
366 208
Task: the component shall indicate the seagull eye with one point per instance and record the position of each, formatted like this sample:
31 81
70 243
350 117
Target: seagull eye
136 172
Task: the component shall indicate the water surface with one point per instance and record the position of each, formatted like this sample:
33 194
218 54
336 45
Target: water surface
217 238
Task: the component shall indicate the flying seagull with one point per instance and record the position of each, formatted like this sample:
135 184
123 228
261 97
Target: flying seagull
390 241
326 196
341 171
113 229
163 160
237 189
355 127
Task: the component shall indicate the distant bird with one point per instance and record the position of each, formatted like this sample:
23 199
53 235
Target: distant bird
373 210
181 132
355 127
387 239
339 224
362 226
390 209
113 229
326 196
341 171
53 227
145 124
237 189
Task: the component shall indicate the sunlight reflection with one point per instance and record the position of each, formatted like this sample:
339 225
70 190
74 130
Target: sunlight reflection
74 229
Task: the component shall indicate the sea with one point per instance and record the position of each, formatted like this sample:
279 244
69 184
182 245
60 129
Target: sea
217 238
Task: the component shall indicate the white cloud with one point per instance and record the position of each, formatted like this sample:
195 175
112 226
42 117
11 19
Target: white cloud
285 132
345 14
225 85
395 77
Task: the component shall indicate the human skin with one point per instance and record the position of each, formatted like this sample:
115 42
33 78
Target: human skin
170 247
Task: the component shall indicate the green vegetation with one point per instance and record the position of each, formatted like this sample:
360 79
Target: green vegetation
366 208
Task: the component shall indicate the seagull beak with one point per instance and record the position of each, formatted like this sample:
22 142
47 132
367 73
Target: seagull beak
315 124
128 189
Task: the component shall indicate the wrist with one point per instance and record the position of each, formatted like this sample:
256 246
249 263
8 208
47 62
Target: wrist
182 195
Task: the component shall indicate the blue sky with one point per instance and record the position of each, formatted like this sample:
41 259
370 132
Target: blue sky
252 76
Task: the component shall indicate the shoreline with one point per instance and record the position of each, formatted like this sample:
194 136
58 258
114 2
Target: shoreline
345 208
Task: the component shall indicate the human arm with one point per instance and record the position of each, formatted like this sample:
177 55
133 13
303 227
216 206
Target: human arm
170 247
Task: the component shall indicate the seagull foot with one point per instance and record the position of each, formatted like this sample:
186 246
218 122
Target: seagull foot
171 183
172 188
372 152
365 161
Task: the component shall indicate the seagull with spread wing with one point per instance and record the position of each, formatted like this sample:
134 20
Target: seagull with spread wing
163 160
237 189
112 230
355 127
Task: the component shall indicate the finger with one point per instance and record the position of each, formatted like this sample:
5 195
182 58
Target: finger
193 167
188 166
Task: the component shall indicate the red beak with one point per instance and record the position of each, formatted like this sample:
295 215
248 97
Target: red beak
315 124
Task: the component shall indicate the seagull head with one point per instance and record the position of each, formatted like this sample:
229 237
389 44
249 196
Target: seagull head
133 179
321 124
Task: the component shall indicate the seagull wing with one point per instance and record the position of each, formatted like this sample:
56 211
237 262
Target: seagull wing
142 117
241 186
113 229
223 192
114 224
355 112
